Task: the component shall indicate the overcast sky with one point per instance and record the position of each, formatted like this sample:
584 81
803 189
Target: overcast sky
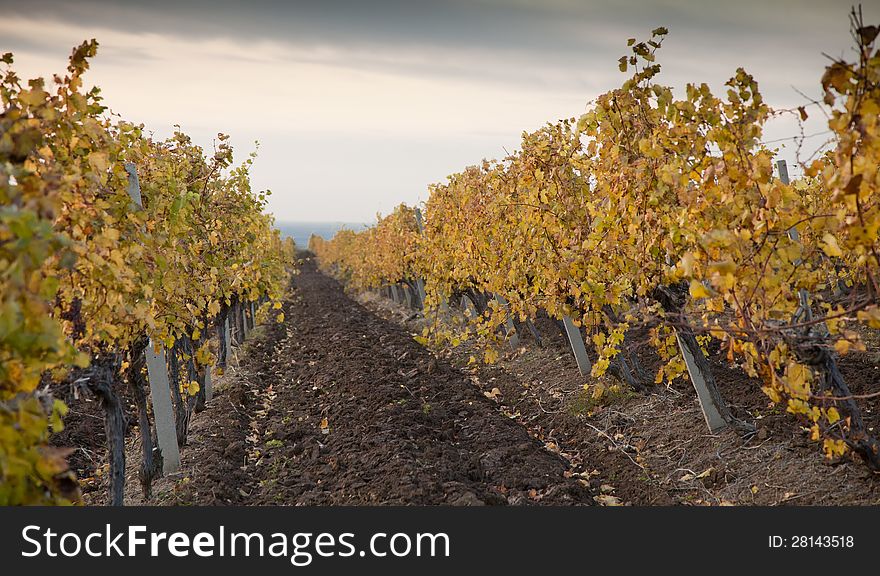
359 105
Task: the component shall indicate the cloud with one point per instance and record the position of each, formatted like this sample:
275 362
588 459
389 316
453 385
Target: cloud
359 104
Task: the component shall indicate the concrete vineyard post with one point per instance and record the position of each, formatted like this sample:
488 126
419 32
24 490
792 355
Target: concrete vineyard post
134 185
209 386
804 312
509 327
715 410
469 309
577 346
157 371
711 411
228 333
160 396
420 284
420 287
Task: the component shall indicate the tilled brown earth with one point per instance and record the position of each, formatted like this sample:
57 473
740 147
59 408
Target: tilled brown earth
338 406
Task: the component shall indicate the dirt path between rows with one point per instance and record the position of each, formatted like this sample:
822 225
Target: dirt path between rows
338 406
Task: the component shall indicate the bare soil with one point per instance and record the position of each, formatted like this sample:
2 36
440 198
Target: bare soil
337 405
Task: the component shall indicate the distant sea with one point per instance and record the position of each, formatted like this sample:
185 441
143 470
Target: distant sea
301 231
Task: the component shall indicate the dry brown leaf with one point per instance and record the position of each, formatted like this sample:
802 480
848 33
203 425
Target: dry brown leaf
608 500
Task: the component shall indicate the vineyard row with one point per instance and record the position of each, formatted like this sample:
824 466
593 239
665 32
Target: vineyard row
120 255
652 217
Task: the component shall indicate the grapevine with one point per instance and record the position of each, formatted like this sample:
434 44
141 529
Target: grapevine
664 215
90 276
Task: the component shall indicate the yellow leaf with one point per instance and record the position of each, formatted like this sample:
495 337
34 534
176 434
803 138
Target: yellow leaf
830 246
834 448
871 316
32 97
99 161
697 290
833 415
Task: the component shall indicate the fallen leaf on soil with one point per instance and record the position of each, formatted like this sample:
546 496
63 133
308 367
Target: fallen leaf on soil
325 426
688 477
607 500
581 475
494 394
606 488
705 472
